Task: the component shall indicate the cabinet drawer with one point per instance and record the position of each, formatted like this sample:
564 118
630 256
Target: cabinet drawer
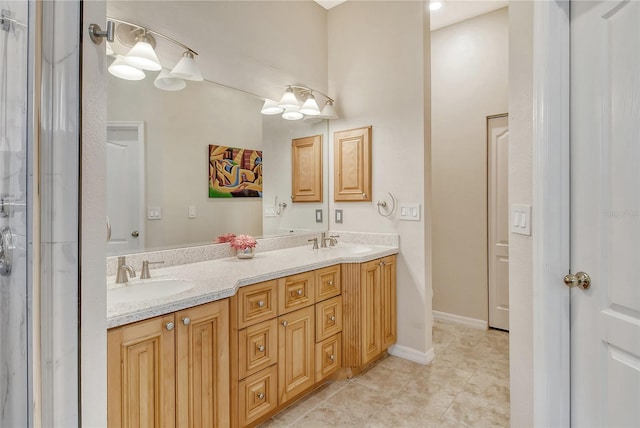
258 395
328 356
328 318
327 282
258 347
257 303
295 292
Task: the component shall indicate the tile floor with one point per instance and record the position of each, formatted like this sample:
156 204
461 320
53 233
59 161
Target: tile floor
467 385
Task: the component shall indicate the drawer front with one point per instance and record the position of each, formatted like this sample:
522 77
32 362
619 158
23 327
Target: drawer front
327 283
258 347
257 303
328 318
328 356
295 292
257 395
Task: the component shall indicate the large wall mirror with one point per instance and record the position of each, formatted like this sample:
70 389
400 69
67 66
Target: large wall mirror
157 166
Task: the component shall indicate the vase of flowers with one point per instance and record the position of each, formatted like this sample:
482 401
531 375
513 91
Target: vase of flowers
244 246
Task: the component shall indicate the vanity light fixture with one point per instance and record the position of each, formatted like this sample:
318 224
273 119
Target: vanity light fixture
142 56
435 5
290 107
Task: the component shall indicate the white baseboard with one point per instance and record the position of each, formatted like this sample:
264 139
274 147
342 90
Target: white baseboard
469 322
411 354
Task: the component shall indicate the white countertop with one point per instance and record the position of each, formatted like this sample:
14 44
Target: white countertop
220 278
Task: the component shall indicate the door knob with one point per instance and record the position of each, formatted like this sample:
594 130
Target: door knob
135 233
580 280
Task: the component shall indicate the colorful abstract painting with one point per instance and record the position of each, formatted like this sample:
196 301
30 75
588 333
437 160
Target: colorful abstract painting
234 173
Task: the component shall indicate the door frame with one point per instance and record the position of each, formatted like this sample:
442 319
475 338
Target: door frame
551 195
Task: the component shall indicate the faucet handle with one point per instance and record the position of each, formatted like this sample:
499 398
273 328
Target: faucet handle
333 241
315 243
144 272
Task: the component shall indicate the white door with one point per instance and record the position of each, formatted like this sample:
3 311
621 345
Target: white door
605 213
125 186
498 219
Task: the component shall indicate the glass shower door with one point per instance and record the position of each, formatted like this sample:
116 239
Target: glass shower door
15 218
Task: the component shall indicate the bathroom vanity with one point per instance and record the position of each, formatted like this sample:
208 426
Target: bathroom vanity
251 336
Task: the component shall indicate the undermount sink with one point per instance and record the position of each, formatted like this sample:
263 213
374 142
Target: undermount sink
358 249
148 290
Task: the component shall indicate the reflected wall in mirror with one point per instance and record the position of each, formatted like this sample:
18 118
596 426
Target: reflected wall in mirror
157 166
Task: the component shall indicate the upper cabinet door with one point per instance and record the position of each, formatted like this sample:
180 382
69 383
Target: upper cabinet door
352 165
306 177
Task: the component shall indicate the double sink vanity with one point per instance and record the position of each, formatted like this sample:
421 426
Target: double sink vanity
230 342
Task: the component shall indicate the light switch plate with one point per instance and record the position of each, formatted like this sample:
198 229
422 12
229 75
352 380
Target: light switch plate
192 211
319 216
338 216
521 219
269 211
410 212
154 213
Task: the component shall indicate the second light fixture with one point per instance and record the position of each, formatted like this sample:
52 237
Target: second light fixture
291 109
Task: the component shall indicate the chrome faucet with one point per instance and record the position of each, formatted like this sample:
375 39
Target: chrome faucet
332 240
123 270
315 243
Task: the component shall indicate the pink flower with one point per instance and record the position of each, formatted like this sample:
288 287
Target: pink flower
242 242
227 237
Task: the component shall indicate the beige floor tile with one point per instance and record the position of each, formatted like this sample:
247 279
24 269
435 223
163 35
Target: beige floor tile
385 379
329 389
358 401
273 423
298 409
477 411
328 416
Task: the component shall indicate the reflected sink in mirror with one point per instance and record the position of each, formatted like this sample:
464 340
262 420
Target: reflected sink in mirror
148 290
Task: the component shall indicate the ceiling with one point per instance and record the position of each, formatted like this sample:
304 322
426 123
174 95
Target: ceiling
452 11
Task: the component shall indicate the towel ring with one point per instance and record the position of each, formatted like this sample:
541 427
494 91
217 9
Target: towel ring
383 204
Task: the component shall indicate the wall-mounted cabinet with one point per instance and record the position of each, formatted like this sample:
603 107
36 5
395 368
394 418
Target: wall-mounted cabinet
306 173
171 371
352 165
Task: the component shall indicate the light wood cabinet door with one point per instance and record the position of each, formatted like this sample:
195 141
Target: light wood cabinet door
257 395
328 356
295 292
388 304
306 177
328 283
352 165
257 347
202 366
328 318
371 310
296 346
141 374
257 302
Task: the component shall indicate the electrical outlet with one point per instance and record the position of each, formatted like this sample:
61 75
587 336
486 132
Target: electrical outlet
318 216
338 216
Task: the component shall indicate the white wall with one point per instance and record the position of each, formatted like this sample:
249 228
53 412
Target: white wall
376 69
179 126
469 76
521 192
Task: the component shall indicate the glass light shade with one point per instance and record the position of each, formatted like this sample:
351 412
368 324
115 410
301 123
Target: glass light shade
120 68
310 107
186 68
289 100
271 107
167 82
292 113
143 56
328 112
435 5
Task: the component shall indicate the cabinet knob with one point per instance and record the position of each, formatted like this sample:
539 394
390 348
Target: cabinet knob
330 282
381 264
186 320
364 195
299 292
261 304
169 326
284 323
332 318
332 357
260 395
261 348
